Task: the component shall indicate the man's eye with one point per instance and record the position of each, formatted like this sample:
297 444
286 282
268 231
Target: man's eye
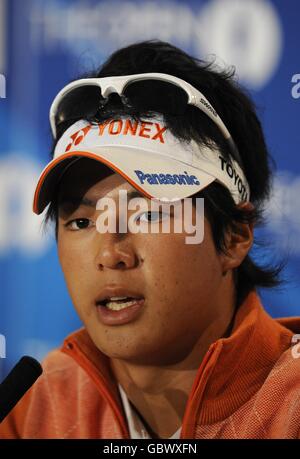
79 224
149 216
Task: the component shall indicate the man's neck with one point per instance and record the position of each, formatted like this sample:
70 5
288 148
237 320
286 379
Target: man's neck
159 393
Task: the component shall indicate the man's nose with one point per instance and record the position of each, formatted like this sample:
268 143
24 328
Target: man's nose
115 252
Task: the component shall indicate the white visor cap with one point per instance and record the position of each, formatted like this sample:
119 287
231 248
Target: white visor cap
147 155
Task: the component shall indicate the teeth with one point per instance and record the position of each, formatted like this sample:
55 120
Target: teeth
117 306
116 298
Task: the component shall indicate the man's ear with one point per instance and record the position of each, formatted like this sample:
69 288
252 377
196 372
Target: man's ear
238 242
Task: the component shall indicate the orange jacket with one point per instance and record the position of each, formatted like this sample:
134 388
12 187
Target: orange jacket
247 386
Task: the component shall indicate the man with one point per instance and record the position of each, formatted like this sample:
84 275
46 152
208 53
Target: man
175 343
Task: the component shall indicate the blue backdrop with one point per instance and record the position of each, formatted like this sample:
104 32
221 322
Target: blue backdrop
43 44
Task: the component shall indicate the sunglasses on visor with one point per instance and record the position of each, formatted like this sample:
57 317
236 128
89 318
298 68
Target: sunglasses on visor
157 92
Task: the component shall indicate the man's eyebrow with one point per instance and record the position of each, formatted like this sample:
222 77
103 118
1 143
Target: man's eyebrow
135 194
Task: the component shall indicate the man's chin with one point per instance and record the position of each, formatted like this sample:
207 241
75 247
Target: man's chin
136 354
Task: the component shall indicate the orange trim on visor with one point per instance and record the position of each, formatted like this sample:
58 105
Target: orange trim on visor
86 154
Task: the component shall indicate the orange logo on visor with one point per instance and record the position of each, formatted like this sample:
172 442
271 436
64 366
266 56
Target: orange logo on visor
146 129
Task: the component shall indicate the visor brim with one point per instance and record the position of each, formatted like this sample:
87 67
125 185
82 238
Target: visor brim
136 166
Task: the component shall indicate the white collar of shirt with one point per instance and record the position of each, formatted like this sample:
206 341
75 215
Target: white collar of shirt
136 427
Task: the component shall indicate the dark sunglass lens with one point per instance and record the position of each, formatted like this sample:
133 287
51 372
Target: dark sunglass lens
158 96
79 103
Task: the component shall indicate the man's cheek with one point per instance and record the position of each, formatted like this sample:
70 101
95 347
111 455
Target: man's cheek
72 261
81 300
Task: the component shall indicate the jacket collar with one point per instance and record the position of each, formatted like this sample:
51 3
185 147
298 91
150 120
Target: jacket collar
241 363
232 371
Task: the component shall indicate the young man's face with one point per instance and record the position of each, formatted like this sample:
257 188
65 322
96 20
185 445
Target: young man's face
181 283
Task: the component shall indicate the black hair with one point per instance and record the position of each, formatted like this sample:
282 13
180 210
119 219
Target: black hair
239 115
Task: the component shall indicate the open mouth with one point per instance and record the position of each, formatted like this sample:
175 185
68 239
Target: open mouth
119 302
